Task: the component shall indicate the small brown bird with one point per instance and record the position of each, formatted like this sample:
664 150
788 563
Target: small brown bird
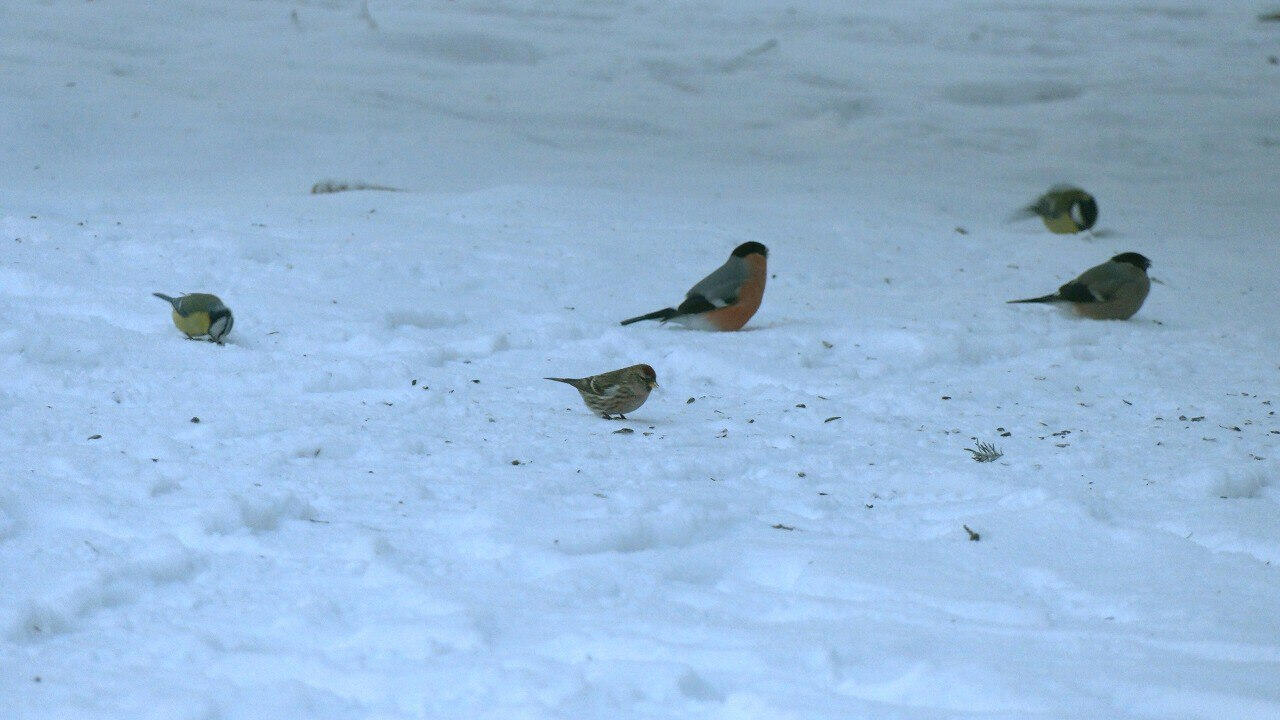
724 300
616 392
1113 290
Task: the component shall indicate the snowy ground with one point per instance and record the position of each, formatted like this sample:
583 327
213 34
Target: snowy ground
383 511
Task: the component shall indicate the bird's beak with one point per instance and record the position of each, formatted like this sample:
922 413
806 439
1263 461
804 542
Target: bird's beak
653 384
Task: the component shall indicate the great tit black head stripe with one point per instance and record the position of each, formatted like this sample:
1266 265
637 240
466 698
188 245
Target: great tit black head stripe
220 326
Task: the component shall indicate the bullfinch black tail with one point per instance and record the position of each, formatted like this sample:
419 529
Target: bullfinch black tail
663 315
1043 299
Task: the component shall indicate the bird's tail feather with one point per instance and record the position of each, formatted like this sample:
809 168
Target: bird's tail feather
1042 299
1021 214
664 315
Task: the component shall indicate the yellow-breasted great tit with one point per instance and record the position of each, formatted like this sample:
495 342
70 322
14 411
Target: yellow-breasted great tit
200 315
1065 209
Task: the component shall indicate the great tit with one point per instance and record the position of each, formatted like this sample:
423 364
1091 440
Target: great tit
1065 209
1113 290
200 315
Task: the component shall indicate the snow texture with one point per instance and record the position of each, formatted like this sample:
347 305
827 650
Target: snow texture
368 504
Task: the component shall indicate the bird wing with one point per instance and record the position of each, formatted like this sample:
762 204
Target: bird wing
602 387
1077 292
1102 281
608 384
694 304
1046 205
192 302
1057 201
718 289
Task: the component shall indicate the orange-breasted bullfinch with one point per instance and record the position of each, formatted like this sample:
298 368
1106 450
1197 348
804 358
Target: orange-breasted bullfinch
200 315
727 298
1113 290
616 392
1065 209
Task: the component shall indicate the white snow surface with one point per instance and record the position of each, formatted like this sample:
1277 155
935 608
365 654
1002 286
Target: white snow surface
384 511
